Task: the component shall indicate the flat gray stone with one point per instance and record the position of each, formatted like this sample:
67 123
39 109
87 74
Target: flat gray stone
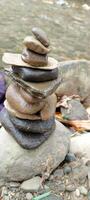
39 90
18 164
75 111
32 185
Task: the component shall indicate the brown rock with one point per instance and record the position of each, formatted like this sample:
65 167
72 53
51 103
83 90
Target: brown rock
19 104
41 36
20 115
34 45
49 108
28 98
38 90
33 58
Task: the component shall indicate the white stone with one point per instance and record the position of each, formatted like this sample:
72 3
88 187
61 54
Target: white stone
83 190
80 145
32 185
77 192
29 196
18 164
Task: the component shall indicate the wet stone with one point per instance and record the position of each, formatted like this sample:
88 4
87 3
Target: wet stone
41 36
34 45
35 75
34 59
28 141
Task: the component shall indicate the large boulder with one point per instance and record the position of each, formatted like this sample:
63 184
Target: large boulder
80 146
19 164
75 76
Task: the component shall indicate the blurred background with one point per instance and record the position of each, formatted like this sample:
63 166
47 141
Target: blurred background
67 24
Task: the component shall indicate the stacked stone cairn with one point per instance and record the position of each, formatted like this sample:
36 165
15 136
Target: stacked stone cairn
29 112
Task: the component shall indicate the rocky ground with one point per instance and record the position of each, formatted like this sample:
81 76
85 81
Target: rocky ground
71 180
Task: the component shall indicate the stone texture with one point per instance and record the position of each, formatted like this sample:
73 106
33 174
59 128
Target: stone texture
26 140
35 75
29 196
19 104
75 111
41 36
67 170
18 164
83 190
32 185
28 97
33 58
80 145
20 115
38 90
34 126
34 45
75 75
49 108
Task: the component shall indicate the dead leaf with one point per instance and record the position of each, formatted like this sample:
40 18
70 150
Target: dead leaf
79 125
63 102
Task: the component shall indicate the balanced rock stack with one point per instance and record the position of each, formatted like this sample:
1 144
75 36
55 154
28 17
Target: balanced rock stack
30 100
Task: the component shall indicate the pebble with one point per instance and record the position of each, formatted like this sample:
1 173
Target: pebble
67 169
34 45
58 174
34 59
14 184
77 193
83 190
80 173
41 36
70 188
29 196
70 157
32 185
